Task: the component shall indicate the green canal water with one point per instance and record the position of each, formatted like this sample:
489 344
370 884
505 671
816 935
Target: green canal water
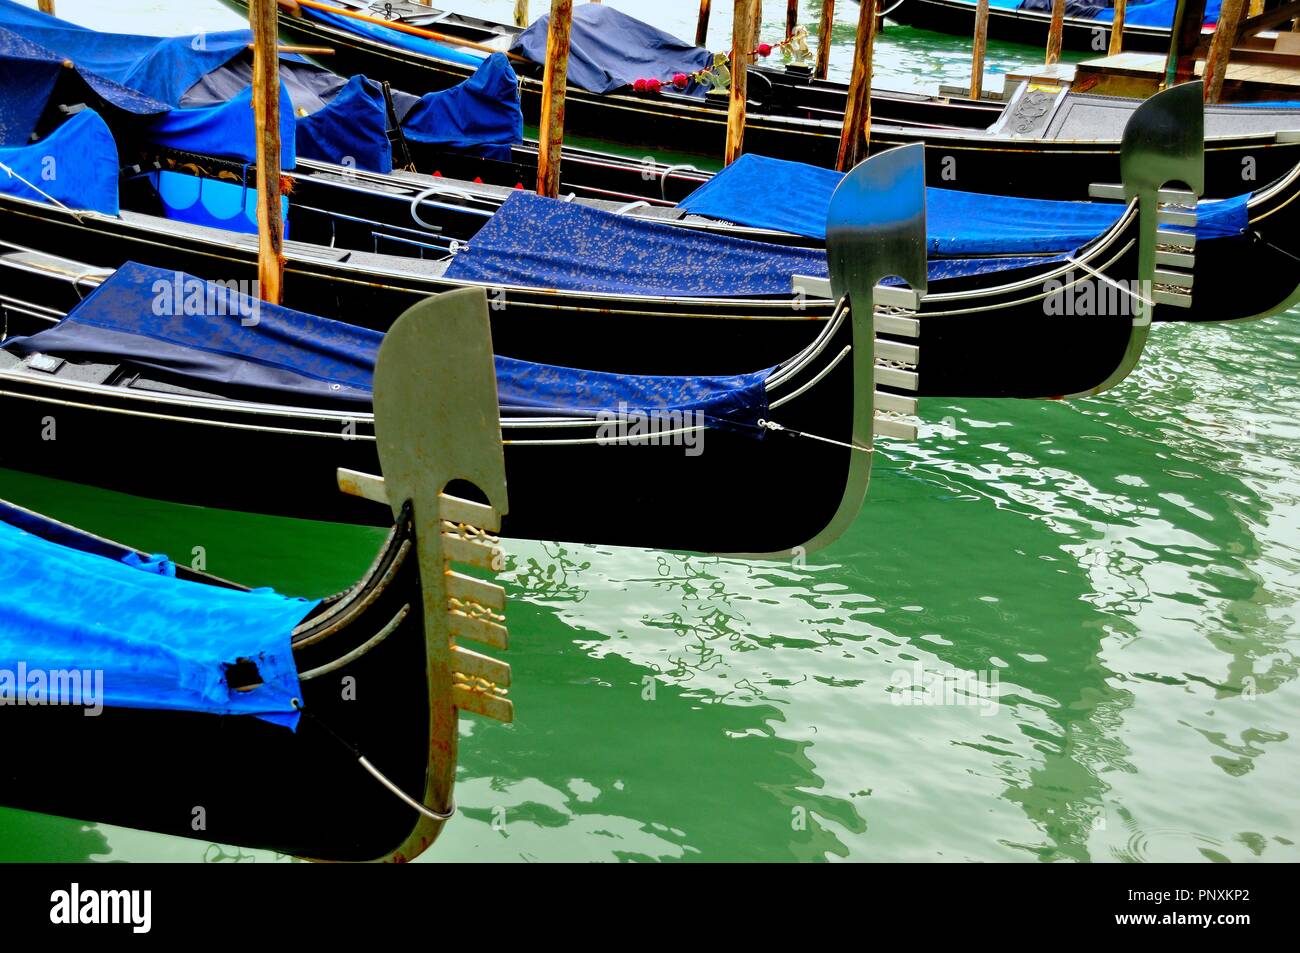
1110 585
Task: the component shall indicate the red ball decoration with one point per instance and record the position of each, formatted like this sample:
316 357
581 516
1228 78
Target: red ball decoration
639 86
764 49
653 85
681 80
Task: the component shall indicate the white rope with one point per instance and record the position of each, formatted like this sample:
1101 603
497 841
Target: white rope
773 425
1110 281
38 190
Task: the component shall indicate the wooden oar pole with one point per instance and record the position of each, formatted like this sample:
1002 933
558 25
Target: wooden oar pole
791 17
857 111
264 19
1055 32
551 134
977 51
702 26
1225 35
1117 29
521 13
824 37
742 35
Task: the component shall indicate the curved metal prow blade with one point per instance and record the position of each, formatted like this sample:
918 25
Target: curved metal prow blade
875 229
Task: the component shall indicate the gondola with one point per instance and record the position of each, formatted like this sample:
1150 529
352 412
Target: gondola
1147 27
979 313
235 709
1045 142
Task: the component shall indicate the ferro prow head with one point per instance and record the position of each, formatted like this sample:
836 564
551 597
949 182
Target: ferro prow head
1162 165
437 421
875 229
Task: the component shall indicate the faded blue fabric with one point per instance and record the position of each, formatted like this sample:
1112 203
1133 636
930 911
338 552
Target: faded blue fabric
403 41
180 325
28 73
159 67
1138 13
214 203
353 125
609 49
159 642
482 113
75 164
227 129
762 192
545 243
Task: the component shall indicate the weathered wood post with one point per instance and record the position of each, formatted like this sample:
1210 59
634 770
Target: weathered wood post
1225 35
46 6
977 52
1055 32
757 35
742 35
1117 29
264 19
551 134
791 17
824 37
702 26
857 112
521 13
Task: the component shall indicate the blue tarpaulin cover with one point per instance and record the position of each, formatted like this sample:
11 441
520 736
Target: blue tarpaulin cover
226 129
75 164
483 112
159 642
793 197
544 243
609 49
28 72
141 314
354 124
1139 13
405 41
159 67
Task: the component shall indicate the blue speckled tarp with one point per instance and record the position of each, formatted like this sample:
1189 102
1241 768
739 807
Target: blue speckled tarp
137 636
202 332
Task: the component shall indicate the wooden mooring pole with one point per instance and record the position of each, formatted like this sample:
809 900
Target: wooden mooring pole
977 52
46 6
1055 32
702 26
742 35
264 19
824 37
1117 29
551 134
857 112
1225 35
521 13
791 17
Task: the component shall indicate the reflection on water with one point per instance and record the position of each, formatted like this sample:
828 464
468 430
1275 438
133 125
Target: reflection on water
1121 572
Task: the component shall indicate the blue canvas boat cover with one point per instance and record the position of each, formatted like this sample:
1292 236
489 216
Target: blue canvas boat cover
208 333
609 49
28 72
79 627
405 41
481 114
1138 13
76 164
158 67
544 243
762 192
